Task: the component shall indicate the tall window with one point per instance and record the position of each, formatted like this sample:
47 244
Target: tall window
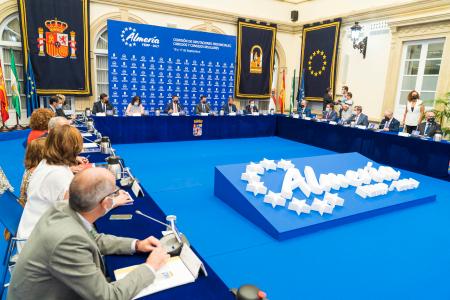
421 64
101 63
11 39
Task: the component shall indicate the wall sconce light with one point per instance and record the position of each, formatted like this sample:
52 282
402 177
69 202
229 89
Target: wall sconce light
358 39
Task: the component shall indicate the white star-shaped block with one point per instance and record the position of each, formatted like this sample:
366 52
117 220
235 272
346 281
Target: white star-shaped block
252 167
256 188
322 207
285 164
250 176
268 164
333 199
299 206
274 199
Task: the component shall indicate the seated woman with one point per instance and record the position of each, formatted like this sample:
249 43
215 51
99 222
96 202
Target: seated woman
33 156
39 123
135 107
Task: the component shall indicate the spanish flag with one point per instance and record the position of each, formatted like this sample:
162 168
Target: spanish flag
3 97
282 95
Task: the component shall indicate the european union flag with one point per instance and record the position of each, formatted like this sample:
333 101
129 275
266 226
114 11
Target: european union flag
30 89
319 53
301 90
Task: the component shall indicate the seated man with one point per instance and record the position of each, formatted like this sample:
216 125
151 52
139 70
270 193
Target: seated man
429 127
202 107
173 106
63 258
389 123
330 114
251 107
358 117
102 105
55 104
304 109
230 107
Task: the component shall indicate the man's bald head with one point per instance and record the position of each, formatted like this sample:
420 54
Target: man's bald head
388 113
89 187
56 122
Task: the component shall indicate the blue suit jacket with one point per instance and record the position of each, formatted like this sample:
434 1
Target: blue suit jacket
306 111
394 126
226 108
333 116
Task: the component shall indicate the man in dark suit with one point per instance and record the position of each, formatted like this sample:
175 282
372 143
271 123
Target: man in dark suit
103 105
202 107
55 104
358 117
230 107
330 114
251 107
304 109
174 106
389 123
429 127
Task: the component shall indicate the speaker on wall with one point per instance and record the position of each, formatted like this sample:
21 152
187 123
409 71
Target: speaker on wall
294 15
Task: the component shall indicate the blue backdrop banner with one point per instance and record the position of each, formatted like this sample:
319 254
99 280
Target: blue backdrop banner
157 62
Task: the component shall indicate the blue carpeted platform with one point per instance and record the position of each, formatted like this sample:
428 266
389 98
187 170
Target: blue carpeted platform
282 223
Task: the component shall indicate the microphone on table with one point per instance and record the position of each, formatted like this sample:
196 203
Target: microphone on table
172 240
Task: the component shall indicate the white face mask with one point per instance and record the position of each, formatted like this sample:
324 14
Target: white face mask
328 109
109 209
136 104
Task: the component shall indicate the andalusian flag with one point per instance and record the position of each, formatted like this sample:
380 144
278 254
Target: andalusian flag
283 92
3 97
15 86
291 108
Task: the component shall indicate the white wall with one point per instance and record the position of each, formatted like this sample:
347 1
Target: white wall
366 78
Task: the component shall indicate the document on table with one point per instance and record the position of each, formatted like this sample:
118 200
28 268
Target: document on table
86 134
89 145
173 274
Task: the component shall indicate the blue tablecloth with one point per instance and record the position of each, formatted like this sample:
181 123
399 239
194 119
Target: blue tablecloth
210 288
126 130
413 154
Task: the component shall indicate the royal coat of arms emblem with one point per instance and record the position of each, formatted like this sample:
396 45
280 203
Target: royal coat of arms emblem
57 42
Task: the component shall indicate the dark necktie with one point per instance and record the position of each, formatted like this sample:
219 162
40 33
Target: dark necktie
427 128
203 107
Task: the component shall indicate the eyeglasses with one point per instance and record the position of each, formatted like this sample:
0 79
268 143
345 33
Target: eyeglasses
112 195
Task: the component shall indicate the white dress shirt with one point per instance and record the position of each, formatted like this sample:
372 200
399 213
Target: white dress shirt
48 184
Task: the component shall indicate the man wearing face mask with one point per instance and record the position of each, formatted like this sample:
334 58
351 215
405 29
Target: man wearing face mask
174 106
102 105
429 127
251 107
389 123
55 104
202 107
330 114
63 258
304 110
358 117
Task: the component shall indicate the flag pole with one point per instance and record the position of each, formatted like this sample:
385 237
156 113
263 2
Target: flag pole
4 128
17 126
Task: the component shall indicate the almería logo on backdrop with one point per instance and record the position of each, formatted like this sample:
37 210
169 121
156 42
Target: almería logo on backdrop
131 38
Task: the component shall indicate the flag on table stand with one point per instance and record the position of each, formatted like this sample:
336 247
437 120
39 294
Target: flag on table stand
15 87
3 97
282 95
30 89
292 106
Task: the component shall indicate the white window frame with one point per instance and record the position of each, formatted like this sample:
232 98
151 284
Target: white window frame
400 108
102 53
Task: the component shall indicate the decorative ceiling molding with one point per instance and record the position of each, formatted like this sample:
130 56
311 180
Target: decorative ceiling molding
406 10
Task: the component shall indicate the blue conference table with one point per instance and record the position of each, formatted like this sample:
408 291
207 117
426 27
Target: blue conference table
126 130
207 288
413 154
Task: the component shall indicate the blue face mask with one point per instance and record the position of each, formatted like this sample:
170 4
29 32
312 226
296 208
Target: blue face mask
59 106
